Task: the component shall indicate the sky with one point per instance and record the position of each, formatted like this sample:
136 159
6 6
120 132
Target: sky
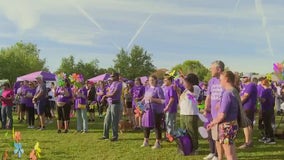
246 34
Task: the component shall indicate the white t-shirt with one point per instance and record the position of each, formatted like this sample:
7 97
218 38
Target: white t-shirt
188 101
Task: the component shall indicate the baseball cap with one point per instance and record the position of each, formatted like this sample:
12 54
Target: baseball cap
247 75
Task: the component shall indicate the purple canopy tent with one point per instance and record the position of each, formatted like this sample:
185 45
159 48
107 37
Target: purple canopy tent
102 77
47 76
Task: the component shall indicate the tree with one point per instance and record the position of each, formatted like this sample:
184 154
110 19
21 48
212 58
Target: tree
160 73
134 64
193 66
88 69
20 59
69 66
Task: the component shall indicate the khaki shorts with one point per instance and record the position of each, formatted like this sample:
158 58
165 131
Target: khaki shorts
215 134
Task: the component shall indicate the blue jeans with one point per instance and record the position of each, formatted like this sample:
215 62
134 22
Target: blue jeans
7 112
112 118
170 122
82 122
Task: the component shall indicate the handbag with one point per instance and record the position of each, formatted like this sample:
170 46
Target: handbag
60 104
82 106
242 119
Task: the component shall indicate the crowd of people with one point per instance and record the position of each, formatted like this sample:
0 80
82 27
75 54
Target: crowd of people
230 104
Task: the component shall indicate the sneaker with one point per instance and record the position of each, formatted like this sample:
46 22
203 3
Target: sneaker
246 145
83 131
59 131
32 127
145 144
263 139
65 130
209 156
156 146
215 158
29 127
103 138
114 139
270 141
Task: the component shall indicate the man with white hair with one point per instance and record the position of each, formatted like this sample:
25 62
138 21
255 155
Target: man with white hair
212 104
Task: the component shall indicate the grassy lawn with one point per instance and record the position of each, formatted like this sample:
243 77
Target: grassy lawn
87 146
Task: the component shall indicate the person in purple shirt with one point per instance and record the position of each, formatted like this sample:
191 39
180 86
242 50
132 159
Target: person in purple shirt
137 91
171 103
212 103
63 95
226 118
40 100
249 100
267 109
113 97
81 110
30 92
23 100
101 91
153 101
260 89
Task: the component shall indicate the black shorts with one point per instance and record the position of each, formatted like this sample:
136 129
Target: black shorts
64 112
250 114
23 107
41 107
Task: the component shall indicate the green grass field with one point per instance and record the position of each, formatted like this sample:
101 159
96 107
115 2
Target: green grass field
77 146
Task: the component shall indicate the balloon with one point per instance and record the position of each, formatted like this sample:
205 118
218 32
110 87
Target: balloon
202 118
203 132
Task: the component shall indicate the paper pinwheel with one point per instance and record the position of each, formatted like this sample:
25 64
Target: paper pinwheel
18 149
13 133
76 79
37 150
5 155
33 155
140 106
137 113
279 70
17 137
60 79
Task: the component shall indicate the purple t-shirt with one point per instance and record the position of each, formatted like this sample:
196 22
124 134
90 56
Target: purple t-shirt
60 94
229 106
115 89
137 92
99 97
259 90
169 92
154 92
268 104
22 94
215 91
81 100
251 90
29 102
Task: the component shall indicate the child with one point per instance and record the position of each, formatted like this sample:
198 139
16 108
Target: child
80 106
171 102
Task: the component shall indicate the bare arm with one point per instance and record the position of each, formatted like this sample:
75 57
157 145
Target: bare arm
217 120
